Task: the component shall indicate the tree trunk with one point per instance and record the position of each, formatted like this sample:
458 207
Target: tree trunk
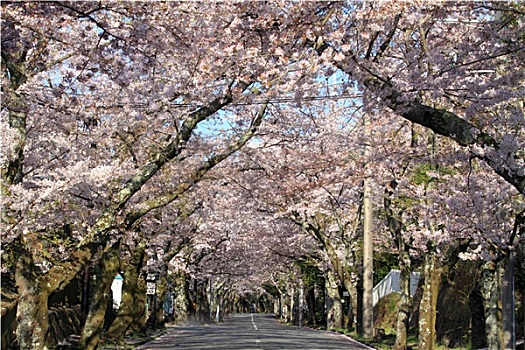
277 306
404 305
340 267
162 288
105 274
210 291
310 302
139 308
477 319
126 312
156 316
508 303
334 317
292 304
300 303
352 288
32 312
428 304
282 306
182 307
490 289
201 301
395 226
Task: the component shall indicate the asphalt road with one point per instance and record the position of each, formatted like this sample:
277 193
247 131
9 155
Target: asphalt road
250 331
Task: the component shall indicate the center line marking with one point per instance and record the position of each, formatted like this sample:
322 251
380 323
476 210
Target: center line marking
254 325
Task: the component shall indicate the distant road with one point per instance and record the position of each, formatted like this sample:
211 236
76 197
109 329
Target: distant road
250 331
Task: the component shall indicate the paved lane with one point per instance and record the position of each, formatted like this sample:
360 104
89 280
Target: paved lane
247 332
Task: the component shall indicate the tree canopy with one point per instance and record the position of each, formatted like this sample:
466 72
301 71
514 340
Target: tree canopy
240 128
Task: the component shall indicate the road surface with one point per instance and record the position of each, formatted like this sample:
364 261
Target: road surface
247 332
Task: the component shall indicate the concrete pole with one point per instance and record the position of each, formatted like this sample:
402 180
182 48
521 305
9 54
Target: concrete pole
368 264
368 250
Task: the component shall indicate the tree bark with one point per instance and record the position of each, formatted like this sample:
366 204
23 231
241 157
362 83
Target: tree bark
334 317
300 303
202 311
292 304
282 306
395 227
105 273
160 295
340 270
310 303
127 311
32 312
508 303
182 307
428 305
477 319
404 305
138 324
490 289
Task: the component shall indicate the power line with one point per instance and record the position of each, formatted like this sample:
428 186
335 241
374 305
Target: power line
274 101
277 100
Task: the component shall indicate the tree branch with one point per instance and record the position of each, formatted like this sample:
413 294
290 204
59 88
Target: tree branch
199 173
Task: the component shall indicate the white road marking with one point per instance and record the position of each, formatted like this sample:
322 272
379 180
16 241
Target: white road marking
254 325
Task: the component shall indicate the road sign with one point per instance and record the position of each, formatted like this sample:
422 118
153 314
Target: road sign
150 288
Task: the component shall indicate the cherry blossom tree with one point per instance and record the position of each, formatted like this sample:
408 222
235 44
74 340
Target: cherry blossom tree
126 87
469 57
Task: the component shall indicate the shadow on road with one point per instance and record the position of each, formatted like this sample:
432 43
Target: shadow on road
250 331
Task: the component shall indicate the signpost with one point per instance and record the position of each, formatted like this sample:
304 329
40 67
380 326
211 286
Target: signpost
150 283
150 288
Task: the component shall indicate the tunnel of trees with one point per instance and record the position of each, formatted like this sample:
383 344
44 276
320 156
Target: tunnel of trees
249 157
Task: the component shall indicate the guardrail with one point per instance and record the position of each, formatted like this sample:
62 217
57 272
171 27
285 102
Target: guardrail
390 284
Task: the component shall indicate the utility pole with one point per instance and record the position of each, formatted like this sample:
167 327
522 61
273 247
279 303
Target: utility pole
368 264
368 252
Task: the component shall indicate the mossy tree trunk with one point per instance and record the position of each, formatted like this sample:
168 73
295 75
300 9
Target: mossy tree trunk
156 320
508 302
182 308
310 303
32 312
334 317
291 310
33 287
139 316
105 272
202 305
341 270
405 304
127 311
216 300
396 227
490 289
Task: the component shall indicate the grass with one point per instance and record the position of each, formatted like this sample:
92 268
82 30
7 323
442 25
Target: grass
388 341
